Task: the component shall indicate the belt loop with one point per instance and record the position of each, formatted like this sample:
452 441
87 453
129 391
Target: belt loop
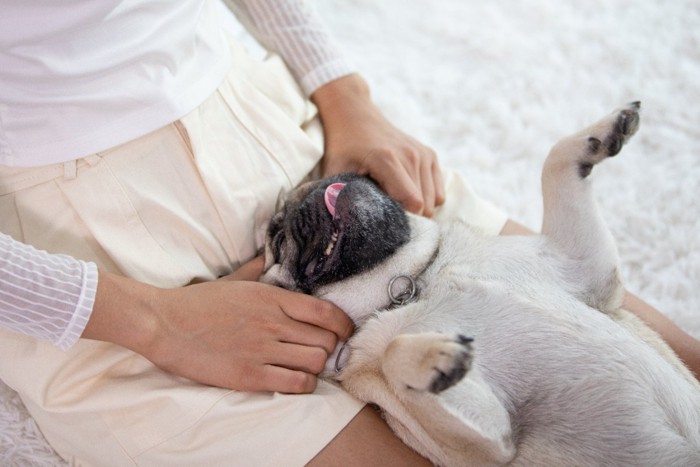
70 170
93 160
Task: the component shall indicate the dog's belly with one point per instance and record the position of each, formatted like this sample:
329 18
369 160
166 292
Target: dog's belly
567 373
571 374
573 381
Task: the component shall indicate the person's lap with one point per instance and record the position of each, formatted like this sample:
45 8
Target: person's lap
188 202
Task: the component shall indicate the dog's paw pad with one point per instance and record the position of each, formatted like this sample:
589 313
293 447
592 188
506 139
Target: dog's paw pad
607 137
623 125
628 121
453 364
430 362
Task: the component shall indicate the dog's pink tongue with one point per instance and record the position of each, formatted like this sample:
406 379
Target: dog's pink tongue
331 196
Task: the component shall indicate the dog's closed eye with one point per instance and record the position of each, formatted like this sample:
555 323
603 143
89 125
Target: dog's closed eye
277 243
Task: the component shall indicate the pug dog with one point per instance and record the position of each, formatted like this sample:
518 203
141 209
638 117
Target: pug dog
493 350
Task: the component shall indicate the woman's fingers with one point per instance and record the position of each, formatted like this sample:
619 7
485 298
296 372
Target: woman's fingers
280 379
320 313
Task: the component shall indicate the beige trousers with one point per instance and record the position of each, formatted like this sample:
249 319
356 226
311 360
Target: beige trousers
189 201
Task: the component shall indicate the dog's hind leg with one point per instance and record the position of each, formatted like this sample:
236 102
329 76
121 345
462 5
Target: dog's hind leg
571 218
432 427
430 394
469 426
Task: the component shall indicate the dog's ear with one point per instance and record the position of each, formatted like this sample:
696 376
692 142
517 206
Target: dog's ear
281 197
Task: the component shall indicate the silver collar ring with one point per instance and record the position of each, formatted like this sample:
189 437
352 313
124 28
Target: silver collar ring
407 295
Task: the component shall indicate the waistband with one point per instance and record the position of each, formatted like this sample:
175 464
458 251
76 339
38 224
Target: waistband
13 179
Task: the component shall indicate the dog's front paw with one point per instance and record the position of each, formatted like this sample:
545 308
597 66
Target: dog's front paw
427 362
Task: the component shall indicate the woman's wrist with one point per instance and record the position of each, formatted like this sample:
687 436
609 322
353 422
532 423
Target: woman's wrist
336 97
125 313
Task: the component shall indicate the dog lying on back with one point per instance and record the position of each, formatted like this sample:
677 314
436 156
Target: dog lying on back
486 350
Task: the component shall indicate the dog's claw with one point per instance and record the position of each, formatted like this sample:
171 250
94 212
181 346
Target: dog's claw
464 339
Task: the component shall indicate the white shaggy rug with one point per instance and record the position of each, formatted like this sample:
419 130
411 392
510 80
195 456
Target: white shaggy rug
492 85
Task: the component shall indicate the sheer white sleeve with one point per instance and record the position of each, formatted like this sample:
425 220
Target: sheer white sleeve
292 29
43 295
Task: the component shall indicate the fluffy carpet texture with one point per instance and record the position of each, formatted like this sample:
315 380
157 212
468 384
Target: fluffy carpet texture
492 85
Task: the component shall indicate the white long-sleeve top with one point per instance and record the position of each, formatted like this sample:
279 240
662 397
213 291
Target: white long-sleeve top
80 77
45 296
83 76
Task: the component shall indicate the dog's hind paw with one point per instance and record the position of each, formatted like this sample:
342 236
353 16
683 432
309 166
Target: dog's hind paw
608 136
427 362
599 141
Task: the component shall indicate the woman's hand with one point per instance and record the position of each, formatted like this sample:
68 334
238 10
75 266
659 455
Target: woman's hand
360 139
233 333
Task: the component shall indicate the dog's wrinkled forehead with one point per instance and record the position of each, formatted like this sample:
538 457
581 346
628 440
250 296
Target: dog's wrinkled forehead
302 191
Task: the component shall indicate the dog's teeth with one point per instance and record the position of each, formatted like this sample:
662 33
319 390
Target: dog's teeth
331 245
